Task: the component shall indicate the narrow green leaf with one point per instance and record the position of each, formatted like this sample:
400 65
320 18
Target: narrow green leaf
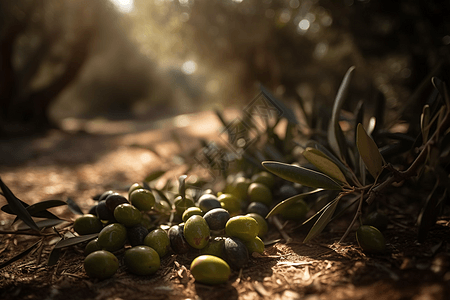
75 240
324 164
288 202
369 152
334 159
38 210
424 122
323 220
17 207
154 175
20 255
287 113
73 207
301 175
53 257
334 137
41 224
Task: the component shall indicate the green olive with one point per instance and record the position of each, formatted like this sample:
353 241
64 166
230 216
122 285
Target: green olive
181 205
112 237
255 245
370 239
239 188
142 260
214 247
127 215
265 178
196 232
92 246
295 211
87 224
258 192
133 187
158 239
262 224
191 211
242 227
142 199
210 269
101 264
230 203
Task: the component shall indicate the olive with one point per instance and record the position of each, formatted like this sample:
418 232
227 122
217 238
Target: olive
377 219
196 232
177 240
286 191
230 203
370 239
142 260
105 195
93 210
255 245
217 218
142 199
258 208
104 213
112 237
235 252
133 187
158 239
262 224
127 215
163 207
214 247
239 188
242 227
87 224
181 205
101 264
210 269
206 202
258 192
265 178
113 200
295 211
191 211
92 246
136 235
147 222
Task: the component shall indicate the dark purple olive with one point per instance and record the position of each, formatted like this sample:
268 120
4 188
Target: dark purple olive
207 202
105 195
177 241
236 254
93 210
258 208
113 200
217 218
136 235
104 213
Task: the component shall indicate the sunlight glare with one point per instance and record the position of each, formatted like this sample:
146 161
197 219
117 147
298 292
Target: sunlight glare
123 6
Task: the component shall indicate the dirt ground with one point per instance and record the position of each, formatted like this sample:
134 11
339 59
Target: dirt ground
112 155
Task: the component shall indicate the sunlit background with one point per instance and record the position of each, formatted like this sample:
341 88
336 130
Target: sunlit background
152 58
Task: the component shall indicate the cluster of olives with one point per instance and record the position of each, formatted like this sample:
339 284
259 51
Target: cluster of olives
213 226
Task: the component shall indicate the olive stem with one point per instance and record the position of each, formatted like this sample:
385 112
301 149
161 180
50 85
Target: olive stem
279 226
357 215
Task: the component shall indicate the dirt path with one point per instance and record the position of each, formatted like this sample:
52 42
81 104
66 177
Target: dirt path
112 155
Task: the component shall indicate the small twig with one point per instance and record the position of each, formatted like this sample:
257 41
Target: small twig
279 226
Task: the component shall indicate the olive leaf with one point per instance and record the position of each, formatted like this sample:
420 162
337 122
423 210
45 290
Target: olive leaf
369 152
290 201
324 164
323 220
17 207
53 257
38 210
334 130
424 122
20 255
154 175
286 112
41 224
75 240
301 175
73 207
